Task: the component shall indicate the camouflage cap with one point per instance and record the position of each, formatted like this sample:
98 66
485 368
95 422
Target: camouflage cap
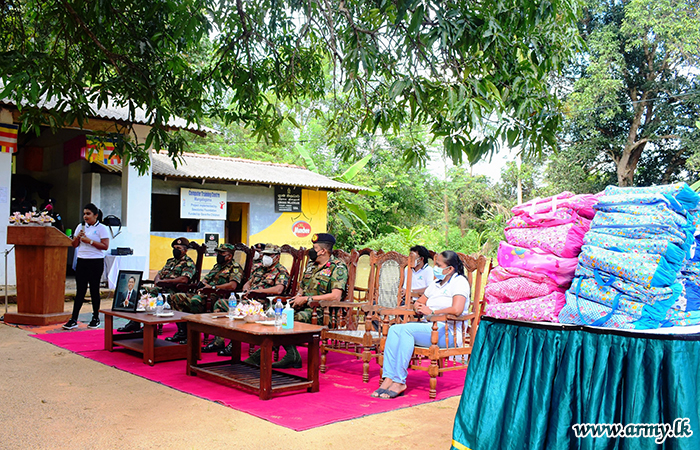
271 249
226 248
180 241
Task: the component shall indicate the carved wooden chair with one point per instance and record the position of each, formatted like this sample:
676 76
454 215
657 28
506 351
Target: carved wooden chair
459 331
385 279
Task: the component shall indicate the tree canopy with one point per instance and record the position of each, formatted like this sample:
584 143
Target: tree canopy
473 74
636 93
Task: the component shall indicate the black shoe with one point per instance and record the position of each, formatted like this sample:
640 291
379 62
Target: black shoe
181 335
226 351
70 325
177 337
94 323
131 326
213 346
254 358
291 359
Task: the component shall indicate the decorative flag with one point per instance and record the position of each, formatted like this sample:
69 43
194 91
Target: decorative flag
100 151
8 138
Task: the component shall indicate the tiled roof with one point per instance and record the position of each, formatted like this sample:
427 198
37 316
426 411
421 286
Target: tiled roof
114 112
206 167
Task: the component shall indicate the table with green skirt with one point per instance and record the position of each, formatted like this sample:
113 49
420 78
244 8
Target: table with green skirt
529 384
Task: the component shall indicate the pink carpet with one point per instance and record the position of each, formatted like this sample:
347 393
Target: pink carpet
342 396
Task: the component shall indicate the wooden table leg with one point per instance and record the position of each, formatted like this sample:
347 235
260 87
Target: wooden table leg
312 370
193 347
109 332
149 356
265 369
235 350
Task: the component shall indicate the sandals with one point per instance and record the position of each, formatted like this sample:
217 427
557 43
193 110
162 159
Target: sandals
392 394
379 392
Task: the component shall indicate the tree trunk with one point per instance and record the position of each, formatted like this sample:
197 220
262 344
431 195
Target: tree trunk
627 165
447 220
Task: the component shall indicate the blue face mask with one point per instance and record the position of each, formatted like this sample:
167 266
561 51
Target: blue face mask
439 273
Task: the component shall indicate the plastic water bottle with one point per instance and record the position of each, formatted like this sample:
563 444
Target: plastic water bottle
159 305
232 303
279 307
288 317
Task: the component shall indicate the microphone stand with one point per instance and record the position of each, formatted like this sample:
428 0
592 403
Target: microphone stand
6 252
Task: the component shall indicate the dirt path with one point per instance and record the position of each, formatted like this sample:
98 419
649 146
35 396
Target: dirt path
54 399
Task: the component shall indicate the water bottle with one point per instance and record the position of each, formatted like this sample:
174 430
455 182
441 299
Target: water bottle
232 303
159 305
279 321
288 317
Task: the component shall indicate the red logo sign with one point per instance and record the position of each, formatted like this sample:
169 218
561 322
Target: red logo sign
301 229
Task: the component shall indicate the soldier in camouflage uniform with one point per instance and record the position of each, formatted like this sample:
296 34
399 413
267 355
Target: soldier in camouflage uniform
226 274
269 277
325 278
178 269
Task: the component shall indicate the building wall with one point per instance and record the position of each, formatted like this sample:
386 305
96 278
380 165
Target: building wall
264 225
5 198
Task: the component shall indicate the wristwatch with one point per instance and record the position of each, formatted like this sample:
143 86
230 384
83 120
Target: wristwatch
308 299
91 242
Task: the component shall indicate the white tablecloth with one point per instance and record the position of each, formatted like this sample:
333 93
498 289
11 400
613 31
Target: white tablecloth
115 263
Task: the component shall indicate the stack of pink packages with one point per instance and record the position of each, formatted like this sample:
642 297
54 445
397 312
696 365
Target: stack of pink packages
537 261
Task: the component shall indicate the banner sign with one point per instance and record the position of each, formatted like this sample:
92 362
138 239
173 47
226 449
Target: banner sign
287 199
202 204
211 242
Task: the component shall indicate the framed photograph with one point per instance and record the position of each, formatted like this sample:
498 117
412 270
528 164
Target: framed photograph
126 292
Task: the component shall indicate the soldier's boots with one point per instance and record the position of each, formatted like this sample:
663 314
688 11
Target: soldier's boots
130 326
253 358
215 346
226 351
181 335
291 359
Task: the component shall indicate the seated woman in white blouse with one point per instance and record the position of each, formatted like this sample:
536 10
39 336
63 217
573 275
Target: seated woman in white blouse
448 294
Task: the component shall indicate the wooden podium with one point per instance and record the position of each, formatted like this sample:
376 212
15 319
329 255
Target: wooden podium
40 262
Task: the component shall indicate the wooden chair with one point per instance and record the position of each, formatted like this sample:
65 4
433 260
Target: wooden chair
385 279
460 329
296 269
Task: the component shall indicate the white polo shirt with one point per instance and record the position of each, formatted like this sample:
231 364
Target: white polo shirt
420 279
440 297
95 232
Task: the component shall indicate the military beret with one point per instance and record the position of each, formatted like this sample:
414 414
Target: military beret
226 248
180 241
323 237
271 249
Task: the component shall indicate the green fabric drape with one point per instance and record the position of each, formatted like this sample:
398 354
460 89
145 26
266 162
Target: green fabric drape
527 384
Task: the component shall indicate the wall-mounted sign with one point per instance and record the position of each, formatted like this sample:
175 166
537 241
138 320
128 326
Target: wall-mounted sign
211 241
202 204
301 229
287 199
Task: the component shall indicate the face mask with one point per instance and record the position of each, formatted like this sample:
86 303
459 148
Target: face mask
267 261
439 273
177 253
256 255
419 263
220 259
313 254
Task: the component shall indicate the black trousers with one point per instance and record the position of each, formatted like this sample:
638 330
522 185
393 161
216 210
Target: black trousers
88 271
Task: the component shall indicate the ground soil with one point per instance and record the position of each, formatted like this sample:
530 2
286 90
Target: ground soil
54 399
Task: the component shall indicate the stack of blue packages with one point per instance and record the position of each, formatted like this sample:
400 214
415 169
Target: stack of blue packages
629 269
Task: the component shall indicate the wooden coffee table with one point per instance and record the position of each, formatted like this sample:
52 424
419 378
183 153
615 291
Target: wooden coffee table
153 350
235 372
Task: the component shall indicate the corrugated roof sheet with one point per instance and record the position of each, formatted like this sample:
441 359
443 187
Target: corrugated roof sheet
245 171
112 111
